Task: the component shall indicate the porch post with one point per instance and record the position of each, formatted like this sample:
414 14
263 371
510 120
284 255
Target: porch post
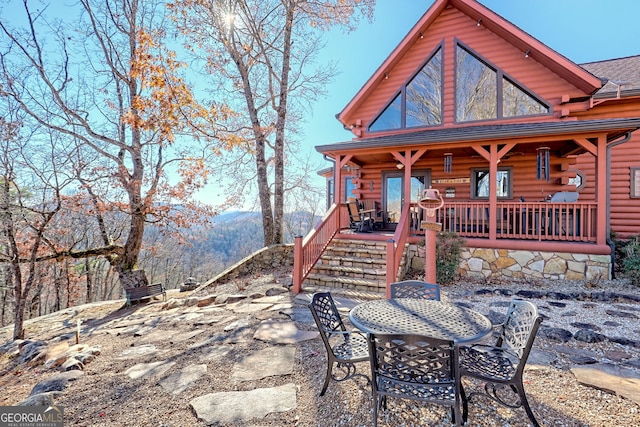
297 264
493 191
601 191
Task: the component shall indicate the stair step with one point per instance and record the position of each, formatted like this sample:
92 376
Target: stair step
346 282
328 260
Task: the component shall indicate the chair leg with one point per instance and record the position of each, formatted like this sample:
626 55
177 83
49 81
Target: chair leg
525 405
327 378
465 405
376 404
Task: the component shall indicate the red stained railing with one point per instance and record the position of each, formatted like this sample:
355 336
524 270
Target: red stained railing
307 252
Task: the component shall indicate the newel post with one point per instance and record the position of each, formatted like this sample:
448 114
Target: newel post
297 264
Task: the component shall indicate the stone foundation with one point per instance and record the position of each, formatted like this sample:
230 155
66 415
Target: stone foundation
487 263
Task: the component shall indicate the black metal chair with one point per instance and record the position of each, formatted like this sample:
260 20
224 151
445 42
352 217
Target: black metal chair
415 289
501 366
344 348
414 367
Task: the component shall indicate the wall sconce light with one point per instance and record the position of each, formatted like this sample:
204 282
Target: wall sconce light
386 76
370 185
526 54
448 162
421 35
400 165
542 164
479 22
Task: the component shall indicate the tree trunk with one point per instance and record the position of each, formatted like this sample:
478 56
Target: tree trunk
133 279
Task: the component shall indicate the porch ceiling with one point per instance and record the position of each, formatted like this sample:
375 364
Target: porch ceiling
558 136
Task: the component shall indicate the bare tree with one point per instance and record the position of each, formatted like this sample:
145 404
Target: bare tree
262 54
114 90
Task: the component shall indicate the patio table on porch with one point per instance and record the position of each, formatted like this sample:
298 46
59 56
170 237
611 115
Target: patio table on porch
424 317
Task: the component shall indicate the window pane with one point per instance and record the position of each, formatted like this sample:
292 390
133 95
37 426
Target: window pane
424 92
516 102
349 186
476 90
390 117
417 187
481 183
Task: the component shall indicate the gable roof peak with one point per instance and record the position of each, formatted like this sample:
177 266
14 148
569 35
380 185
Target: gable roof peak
565 68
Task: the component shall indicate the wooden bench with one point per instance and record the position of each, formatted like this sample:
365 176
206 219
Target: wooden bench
143 292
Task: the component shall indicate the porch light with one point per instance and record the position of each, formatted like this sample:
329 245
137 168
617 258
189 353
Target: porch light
542 163
448 162
526 54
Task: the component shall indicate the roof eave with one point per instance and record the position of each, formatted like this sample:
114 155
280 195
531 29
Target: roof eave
483 133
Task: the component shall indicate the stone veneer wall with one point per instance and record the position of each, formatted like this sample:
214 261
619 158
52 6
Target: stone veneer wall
486 263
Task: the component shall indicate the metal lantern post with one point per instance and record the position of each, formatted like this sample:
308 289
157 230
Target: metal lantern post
431 200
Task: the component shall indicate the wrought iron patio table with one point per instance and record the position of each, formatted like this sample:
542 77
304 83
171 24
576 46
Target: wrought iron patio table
418 316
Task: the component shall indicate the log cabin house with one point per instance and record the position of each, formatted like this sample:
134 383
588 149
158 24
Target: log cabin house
536 157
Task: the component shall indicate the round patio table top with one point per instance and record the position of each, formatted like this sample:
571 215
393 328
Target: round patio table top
420 316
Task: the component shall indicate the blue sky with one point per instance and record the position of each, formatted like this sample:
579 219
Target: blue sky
581 30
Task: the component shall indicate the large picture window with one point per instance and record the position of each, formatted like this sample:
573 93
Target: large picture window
483 92
419 102
480 183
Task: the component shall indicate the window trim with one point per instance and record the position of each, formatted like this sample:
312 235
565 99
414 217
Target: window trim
634 181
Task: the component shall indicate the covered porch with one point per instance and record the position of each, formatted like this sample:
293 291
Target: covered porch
497 194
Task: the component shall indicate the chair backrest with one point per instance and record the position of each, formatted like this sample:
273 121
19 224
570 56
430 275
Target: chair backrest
414 359
415 289
374 206
565 196
520 328
326 315
354 212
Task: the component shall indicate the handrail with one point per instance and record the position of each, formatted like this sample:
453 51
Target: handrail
307 252
395 246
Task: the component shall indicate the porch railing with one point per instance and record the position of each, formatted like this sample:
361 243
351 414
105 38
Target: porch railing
543 221
395 246
308 251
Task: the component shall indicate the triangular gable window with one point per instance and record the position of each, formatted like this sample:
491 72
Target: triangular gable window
419 102
484 93
390 118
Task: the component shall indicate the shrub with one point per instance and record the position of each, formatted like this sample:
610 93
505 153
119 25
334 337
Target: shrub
448 248
631 261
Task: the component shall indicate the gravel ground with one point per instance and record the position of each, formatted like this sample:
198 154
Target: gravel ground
105 396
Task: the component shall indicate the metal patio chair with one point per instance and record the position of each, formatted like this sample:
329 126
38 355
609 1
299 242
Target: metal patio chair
344 348
414 367
415 289
501 366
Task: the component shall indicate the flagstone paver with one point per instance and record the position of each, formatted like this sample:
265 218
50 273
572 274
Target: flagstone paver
268 362
622 381
184 379
243 406
282 332
149 370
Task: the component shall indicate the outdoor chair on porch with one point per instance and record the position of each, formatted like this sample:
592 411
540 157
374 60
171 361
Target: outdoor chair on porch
344 348
377 215
360 220
415 289
414 367
501 366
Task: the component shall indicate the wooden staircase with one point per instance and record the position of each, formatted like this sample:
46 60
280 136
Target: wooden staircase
352 264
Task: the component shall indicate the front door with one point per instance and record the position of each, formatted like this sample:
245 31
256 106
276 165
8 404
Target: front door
393 197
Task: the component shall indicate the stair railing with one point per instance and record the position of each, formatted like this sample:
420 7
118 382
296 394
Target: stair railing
307 252
395 246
